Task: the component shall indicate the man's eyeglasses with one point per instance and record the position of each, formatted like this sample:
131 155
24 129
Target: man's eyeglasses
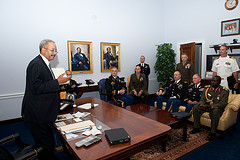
52 50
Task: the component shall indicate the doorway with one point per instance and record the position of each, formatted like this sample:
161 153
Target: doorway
194 51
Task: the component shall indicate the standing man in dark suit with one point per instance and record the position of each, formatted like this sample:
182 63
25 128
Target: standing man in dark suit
41 100
145 69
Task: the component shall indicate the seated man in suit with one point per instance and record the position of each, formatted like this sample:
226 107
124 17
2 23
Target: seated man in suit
172 92
114 85
80 61
111 60
214 101
138 85
194 94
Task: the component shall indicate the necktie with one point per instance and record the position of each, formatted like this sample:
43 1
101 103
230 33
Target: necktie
51 71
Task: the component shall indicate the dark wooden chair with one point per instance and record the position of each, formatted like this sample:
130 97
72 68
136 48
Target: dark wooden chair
23 151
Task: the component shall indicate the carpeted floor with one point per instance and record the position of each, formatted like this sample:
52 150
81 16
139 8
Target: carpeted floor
176 147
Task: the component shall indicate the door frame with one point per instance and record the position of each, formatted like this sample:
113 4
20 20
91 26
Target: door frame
203 68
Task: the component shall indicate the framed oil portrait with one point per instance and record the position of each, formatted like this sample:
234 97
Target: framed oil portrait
110 56
230 27
80 57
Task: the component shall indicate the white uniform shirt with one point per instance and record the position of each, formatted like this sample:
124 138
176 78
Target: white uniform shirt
225 66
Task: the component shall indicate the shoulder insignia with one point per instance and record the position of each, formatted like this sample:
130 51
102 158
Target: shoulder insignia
232 57
216 58
225 89
207 86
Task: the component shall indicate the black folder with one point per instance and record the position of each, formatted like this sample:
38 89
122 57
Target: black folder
116 136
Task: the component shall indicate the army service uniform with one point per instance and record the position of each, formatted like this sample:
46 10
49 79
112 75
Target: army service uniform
186 70
172 89
218 99
114 85
194 94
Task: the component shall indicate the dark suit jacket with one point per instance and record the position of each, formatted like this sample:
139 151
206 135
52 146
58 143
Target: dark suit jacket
41 100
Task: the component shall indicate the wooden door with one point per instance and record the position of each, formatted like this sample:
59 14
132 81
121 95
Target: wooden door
188 48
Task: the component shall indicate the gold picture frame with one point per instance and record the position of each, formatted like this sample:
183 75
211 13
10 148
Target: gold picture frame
110 56
80 57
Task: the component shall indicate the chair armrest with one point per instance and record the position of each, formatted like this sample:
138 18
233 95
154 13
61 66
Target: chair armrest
30 152
112 96
9 138
234 104
234 107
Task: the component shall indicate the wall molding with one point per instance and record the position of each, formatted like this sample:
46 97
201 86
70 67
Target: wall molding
11 96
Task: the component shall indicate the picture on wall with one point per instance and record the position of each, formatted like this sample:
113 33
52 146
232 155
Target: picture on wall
80 57
230 27
110 56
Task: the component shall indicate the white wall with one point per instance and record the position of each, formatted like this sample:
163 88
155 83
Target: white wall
137 25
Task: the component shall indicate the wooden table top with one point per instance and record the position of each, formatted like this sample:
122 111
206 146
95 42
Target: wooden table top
140 108
162 116
143 132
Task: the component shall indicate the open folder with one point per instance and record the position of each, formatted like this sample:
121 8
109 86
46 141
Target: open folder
58 71
77 127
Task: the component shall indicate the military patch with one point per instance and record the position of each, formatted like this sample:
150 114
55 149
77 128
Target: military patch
228 63
180 86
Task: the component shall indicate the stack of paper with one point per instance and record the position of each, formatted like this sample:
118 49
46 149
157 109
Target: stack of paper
77 127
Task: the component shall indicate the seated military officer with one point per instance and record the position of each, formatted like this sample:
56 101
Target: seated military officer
172 92
114 85
138 85
194 94
214 101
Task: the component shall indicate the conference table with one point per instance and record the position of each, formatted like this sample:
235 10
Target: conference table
144 132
